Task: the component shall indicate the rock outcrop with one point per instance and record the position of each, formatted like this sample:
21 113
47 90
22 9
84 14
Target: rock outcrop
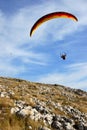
48 106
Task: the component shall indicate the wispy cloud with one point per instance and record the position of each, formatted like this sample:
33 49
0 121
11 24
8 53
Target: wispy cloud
58 29
19 51
14 34
74 76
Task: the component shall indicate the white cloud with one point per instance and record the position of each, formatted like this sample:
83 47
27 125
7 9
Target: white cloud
14 33
74 76
7 69
58 29
15 41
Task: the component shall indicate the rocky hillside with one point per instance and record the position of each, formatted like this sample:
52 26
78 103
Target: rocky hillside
26 105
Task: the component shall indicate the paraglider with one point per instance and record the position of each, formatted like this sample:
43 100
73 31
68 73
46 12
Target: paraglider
63 56
51 16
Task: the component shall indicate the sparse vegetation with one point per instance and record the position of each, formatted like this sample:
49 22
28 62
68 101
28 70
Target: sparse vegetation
52 97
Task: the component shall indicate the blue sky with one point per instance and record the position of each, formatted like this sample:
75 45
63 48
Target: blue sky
37 58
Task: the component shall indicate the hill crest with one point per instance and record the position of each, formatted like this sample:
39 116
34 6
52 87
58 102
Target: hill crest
39 106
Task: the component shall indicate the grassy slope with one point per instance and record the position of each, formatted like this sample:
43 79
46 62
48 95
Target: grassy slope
26 91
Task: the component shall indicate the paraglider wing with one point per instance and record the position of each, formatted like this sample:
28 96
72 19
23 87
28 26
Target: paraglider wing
51 16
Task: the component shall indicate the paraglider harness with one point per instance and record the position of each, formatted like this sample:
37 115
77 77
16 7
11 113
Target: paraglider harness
63 56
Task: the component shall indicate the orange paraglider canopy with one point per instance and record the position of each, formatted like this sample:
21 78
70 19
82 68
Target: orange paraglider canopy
51 16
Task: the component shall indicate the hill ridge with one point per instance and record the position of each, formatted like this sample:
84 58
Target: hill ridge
38 106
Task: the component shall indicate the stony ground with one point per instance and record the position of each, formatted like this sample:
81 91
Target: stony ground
26 105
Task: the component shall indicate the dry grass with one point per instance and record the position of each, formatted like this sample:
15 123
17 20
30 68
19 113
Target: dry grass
12 122
27 91
6 102
16 123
